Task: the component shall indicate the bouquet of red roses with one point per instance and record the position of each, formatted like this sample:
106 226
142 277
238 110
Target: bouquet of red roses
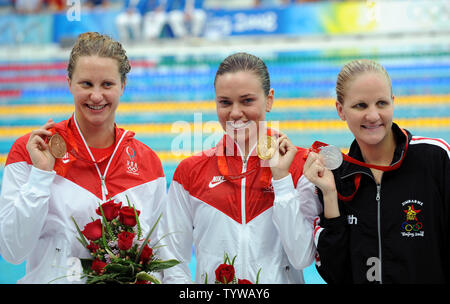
119 253
225 273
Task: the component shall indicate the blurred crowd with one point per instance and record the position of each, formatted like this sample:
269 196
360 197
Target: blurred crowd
145 19
37 6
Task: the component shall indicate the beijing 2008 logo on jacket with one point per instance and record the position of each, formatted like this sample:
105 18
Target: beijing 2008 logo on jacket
412 225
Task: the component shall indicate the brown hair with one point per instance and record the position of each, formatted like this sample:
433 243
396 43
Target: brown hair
245 62
95 44
355 68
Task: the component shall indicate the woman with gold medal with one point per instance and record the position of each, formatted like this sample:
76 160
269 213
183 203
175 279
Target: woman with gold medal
236 198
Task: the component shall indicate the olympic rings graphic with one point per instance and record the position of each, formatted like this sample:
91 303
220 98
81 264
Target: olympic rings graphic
131 153
408 227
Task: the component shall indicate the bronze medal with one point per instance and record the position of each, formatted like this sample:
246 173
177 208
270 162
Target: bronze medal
57 146
266 147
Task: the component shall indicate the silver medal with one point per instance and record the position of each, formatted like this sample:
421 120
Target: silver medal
332 156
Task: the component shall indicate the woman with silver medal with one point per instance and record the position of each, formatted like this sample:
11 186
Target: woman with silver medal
387 206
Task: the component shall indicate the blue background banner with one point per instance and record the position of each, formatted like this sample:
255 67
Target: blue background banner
305 19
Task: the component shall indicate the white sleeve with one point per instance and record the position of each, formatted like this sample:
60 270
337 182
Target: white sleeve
177 224
23 209
149 199
294 212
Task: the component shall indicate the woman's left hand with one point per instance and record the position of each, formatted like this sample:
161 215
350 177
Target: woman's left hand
284 155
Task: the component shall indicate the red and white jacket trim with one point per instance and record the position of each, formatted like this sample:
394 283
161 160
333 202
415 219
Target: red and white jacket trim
242 218
36 206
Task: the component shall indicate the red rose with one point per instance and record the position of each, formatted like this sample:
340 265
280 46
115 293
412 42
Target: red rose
146 254
127 216
125 240
93 230
225 273
110 210
98 266
92 247
244 281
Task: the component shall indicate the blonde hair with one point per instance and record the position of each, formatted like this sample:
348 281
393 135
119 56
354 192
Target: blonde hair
95 44
354 68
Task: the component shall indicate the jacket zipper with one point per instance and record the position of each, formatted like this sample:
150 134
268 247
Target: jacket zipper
244 238
102 176
378 199
244 168
379 229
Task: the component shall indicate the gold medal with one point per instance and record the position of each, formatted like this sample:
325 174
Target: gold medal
266 147
57 146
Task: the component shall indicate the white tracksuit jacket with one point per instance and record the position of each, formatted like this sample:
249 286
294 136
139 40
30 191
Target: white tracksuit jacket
242 218
36 206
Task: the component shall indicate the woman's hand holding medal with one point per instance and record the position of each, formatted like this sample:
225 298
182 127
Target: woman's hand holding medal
316 171
39 150
283 155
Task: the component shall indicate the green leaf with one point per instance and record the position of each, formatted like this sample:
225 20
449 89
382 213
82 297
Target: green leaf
112 256
137 219
144 276
158 265
147 238
102 279
119 268
257 276
105 225
232 262
82 239
86 264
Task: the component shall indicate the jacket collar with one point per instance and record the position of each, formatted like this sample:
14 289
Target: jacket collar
348 169
74 142
229 148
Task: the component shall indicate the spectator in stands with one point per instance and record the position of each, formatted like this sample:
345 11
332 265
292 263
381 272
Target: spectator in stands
186 17
96 3
55 5
27 6
259 3
129 21
154 19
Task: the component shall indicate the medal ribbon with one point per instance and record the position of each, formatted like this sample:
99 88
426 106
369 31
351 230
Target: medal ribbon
266 173
316 148
72 148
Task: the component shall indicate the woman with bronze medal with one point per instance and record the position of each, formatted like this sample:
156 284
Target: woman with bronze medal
235 199
387 207
64 170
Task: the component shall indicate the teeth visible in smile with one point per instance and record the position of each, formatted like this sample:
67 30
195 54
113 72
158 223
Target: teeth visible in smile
92 107
371 127
238 124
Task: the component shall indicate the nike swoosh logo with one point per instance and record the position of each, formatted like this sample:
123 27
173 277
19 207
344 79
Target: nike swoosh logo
66 158
214 184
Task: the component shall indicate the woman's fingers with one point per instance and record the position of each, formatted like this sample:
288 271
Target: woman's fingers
38 148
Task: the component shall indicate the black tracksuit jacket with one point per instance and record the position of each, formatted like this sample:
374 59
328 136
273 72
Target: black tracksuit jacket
397 231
